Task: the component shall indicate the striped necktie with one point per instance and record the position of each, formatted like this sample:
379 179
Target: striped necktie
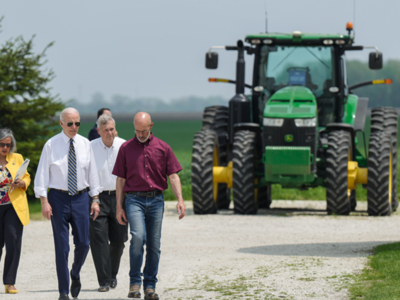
72 178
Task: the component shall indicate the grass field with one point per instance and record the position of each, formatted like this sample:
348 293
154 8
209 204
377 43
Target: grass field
179 135
380 279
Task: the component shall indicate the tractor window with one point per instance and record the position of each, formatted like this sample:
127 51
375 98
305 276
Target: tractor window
283 66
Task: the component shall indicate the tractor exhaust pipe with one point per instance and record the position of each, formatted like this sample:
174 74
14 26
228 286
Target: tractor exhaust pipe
240 69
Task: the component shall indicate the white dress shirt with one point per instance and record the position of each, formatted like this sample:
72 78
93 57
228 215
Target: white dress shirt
105 159
52 171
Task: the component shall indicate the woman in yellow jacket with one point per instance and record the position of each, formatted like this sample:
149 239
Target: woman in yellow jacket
14 211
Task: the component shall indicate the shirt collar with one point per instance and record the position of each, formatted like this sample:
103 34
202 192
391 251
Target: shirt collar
104 145
66 138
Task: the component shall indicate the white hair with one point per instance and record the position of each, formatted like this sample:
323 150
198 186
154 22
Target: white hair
5 133
68 110
104 119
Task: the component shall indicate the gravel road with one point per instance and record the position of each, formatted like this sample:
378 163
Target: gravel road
295 251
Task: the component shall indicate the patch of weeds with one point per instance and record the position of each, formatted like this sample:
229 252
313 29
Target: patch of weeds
306 279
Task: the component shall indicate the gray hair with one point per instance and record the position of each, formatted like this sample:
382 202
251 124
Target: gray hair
5 133
104 119
68 110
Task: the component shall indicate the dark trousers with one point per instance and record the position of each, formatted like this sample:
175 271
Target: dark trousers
10 234
68 210
107 238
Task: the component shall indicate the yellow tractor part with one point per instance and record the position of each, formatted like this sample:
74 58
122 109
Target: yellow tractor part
223 175
356 175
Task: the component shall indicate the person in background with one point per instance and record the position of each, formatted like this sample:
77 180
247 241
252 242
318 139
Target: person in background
14 210
107 236
93 133
66 172
142 166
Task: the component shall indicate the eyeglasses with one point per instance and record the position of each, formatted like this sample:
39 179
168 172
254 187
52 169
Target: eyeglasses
143 131
77 124
2 145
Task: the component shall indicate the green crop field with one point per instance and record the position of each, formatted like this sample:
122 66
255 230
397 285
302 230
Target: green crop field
179 135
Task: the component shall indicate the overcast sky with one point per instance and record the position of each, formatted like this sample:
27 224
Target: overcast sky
156 48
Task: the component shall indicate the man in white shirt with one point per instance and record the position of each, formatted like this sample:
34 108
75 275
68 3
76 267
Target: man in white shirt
107 236
68 169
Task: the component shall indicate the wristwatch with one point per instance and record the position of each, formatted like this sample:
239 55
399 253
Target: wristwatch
96 200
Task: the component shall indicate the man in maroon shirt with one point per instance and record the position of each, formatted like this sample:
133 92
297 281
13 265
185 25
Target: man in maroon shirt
142 167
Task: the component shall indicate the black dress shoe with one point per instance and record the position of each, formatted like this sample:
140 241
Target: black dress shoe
75 287
113 283
103 288
63 297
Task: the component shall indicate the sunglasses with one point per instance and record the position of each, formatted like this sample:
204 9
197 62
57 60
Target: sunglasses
77 124
2 145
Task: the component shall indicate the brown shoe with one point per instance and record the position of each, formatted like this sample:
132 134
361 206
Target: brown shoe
134 291
150 294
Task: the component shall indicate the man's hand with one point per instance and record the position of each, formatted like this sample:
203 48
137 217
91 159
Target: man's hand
121 216
181 209
47 212
95 209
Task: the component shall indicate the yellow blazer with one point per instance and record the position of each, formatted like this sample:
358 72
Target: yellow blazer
18 196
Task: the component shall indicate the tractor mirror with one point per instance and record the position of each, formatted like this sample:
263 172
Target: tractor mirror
375 60
211 60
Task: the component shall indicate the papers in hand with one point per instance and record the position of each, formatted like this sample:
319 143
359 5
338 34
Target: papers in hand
21 172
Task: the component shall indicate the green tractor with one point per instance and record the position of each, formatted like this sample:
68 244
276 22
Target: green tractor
298 127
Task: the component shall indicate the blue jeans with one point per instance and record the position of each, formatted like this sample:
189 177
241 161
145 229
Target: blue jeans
145 216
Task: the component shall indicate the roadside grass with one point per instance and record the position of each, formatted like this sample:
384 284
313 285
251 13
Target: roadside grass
381 277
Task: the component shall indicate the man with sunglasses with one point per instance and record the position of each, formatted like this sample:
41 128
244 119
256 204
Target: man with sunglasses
142 166
65 177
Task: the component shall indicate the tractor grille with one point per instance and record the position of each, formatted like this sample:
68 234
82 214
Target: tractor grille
302 137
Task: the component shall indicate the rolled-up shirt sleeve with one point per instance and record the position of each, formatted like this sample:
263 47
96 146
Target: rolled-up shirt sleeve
94 182
43 173
173 165
120 164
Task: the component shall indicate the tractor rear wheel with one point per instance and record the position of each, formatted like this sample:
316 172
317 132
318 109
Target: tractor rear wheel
386 119
380 174
339 154
264 197
353 200
244 191
204 158
216 118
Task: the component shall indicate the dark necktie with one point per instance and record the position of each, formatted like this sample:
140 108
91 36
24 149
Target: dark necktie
72 180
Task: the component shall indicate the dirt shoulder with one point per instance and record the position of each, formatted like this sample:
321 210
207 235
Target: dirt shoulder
295 251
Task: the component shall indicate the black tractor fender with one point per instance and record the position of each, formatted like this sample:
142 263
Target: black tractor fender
361 114
345 127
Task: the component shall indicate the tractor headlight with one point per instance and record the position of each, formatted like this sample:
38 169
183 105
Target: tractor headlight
306 122
273 122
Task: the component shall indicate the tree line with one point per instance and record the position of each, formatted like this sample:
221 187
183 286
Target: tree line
357 71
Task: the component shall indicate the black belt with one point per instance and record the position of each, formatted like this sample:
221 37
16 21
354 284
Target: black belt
77 193
146 194
108 192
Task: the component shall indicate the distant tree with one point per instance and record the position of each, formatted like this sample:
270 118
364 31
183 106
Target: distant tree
27 106
379 95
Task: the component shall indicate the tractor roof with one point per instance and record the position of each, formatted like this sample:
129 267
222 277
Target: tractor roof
299 38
